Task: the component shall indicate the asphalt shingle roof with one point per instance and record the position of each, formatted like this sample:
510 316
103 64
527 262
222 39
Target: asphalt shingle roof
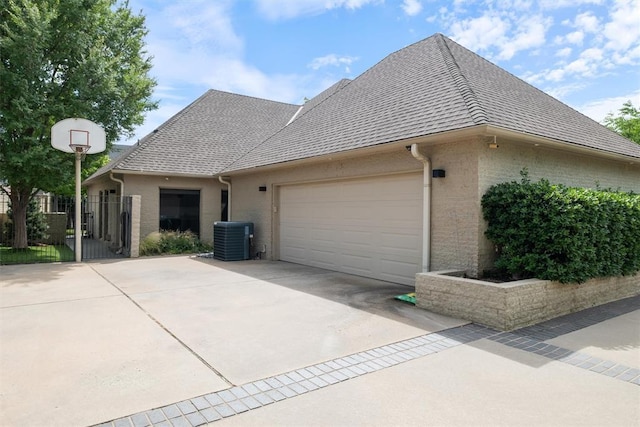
205 136
429 87
509 102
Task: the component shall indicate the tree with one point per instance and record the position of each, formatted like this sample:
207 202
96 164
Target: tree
36 222
626 123
61 59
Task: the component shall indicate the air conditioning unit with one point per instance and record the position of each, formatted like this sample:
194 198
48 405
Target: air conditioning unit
232 240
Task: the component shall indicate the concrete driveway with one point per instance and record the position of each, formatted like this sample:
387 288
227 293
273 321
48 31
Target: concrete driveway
187 341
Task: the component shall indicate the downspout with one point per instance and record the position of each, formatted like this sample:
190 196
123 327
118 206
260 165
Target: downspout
121 182
426 207
228 184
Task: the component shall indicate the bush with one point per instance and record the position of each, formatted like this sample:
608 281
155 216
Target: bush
562 233
172 242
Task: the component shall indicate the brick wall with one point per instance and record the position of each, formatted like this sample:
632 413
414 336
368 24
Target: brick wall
261 208
512 305
148 187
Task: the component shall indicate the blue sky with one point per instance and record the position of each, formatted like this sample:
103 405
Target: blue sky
584 52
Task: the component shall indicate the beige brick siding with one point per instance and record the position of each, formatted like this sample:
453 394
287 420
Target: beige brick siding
136 205
513 305
148 187
505 163
249 204
457 230
455 211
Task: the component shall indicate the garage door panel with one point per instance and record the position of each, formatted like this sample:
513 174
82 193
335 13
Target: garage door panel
370 227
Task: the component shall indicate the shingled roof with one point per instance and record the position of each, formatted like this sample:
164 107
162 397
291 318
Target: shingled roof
430 87
205 137
427 88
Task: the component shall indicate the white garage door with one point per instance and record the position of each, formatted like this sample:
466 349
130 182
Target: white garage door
369 227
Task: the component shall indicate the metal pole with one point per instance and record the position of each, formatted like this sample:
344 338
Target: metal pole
78 231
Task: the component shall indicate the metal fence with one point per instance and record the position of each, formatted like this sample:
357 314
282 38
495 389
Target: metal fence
51 223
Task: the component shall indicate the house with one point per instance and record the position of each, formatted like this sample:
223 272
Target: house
379 176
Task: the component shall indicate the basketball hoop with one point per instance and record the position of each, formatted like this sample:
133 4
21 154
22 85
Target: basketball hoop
79 136
79 140
76 135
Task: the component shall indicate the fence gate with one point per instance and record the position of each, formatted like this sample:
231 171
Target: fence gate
105 225
106 230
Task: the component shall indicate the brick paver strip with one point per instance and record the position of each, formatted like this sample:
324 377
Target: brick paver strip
246 397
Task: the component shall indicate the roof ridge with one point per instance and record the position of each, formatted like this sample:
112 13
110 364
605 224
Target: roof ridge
145 140
340 84
478 114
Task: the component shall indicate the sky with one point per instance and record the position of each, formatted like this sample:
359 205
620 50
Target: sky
585 53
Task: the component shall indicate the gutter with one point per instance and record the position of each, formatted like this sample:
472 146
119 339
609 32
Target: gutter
426 207
228 184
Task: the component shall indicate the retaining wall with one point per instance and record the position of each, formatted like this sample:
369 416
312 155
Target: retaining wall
513 305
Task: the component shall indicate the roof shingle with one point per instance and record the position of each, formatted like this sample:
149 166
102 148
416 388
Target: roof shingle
429 87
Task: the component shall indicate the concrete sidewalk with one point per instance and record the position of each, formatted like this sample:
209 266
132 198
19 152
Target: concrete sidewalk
186 341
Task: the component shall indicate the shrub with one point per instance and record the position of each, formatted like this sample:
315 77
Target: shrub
562 233
172 242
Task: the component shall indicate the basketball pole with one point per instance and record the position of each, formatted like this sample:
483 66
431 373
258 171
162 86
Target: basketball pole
78 231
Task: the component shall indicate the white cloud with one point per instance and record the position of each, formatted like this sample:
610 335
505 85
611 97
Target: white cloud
623 31
575 37
531 33
411 7
564 52
593 54
559 4
555 75
286 9
211 24
480 33
599 108
561 91
493 30
332 60
587 22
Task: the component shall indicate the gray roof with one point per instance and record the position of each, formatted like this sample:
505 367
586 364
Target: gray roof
427 88
116 151
206 136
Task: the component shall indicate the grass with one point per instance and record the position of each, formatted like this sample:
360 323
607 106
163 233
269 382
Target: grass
35 254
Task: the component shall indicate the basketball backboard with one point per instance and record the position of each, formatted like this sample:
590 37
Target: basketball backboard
74 134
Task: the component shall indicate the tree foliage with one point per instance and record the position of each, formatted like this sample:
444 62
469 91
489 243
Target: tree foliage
36 223
626 122
61 59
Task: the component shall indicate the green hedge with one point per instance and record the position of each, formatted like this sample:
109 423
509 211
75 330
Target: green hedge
172 242
562 233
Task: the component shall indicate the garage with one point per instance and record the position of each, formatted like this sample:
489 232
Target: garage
369 227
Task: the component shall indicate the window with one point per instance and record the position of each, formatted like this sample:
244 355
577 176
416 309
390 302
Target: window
180 210
224 205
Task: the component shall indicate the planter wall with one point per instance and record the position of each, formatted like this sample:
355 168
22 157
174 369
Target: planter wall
513 305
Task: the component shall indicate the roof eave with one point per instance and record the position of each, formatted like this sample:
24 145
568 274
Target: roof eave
538 140
147 173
